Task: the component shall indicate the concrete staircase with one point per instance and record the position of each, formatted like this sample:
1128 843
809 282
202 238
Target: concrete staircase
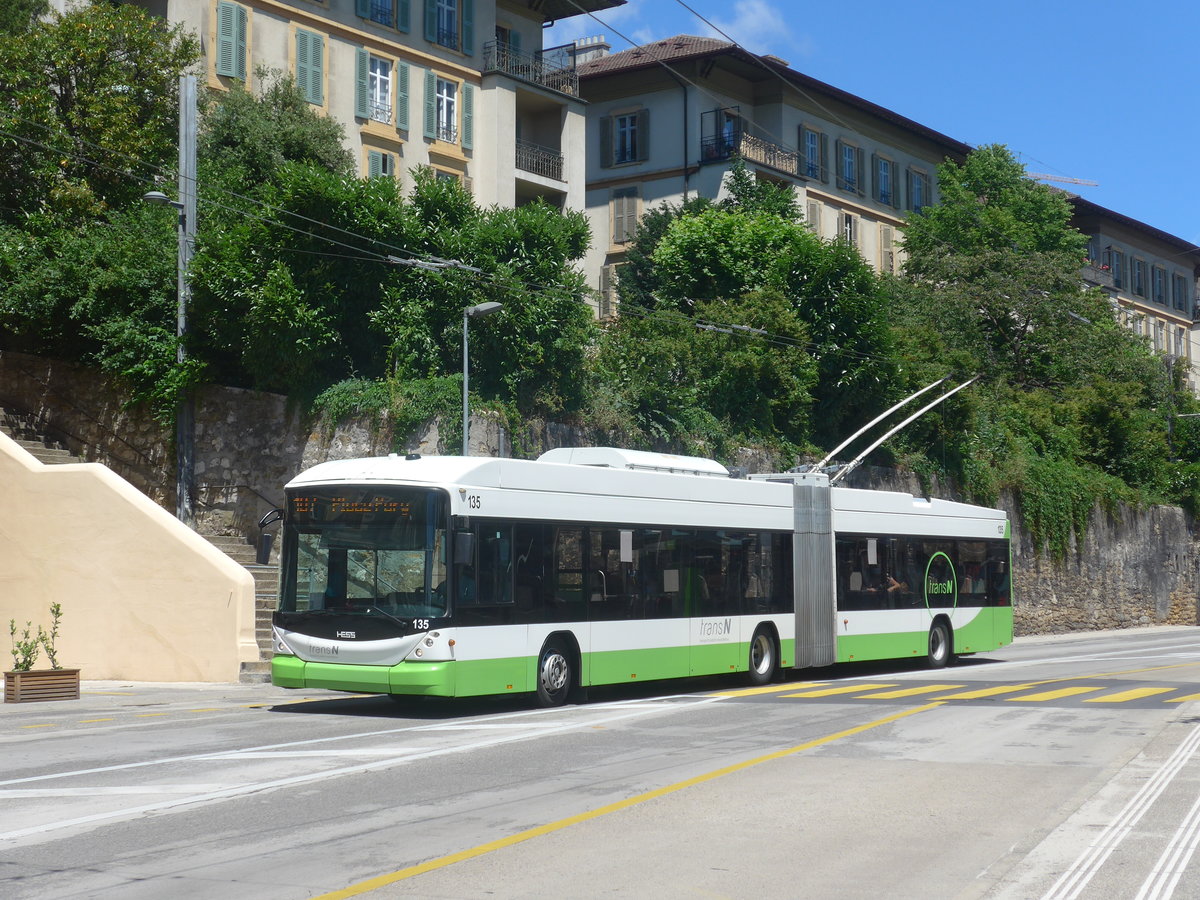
27 431
266 591
31 434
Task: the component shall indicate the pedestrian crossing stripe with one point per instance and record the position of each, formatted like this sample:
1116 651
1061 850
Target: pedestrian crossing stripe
1125 696
1058 694
1028 692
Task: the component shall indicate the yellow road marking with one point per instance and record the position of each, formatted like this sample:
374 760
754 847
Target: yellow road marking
444 861
206 709
149 715
1182 699
844 689
1053 695
769 689
909 692
992 691
1124 696
43 725
90 721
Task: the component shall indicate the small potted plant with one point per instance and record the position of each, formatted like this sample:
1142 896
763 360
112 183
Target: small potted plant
25 683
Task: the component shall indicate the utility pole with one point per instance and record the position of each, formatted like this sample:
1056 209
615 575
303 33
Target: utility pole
185 428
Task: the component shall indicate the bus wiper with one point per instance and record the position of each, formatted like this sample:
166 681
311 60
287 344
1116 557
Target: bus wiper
400 622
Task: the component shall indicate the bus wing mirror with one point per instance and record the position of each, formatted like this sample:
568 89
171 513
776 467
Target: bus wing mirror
270 518
464 548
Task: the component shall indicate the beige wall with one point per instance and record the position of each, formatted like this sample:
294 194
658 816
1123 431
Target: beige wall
144 598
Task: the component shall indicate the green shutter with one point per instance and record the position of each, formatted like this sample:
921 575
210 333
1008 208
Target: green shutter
468 27
362 8
310 52
402 96
430 105
514 41
431 21
362 83
226 13
875 186
374 163
402 15
468 117
643 134
239 43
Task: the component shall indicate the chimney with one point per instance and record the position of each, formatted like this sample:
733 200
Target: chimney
590 48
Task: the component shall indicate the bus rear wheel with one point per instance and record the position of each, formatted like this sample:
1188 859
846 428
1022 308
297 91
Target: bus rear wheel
553 675
939 645
762 658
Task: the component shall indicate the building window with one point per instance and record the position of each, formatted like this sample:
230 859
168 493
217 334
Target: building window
624 138
849 167
393 13
379 89
1180 341
848 228
231 40
885 181
450 24
1160 342
1181 296
447 112
624 214
814 147
1158 285
310 66
380 164
1139 278
1115 261
920 193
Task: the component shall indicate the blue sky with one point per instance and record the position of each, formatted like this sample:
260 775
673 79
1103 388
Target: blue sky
1101 90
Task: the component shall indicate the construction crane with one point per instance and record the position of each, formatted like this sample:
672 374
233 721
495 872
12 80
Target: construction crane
1039 176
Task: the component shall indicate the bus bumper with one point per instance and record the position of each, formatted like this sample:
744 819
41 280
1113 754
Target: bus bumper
433 679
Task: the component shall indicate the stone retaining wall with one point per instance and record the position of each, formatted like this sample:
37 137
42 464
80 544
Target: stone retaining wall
1141 567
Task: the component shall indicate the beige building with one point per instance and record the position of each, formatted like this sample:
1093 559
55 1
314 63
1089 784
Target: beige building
657 135
1149 275
463 86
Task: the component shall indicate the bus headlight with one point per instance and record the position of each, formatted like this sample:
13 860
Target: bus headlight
278 645
428 642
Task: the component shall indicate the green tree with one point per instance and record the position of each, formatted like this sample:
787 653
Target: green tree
88 110
18 16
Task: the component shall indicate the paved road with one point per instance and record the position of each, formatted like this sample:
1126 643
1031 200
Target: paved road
1054 769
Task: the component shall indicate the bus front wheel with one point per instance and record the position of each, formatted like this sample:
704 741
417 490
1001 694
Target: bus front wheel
554 675
939 645
762 658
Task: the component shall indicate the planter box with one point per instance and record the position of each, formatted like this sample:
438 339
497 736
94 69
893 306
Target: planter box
41 684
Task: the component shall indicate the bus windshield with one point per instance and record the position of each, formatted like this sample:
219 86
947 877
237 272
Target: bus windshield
370 551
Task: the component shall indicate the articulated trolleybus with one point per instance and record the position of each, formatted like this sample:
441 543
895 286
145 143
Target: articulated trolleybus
463 576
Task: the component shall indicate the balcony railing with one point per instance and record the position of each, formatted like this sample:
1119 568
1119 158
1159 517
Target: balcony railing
539 160
751 149
1098 275
447 133
500 57
448 37
381 111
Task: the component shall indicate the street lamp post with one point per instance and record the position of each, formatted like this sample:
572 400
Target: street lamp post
471 312
185 432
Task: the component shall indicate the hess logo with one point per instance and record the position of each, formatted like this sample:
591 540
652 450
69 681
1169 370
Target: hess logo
349 635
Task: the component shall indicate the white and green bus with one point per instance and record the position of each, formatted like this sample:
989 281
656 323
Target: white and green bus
466 576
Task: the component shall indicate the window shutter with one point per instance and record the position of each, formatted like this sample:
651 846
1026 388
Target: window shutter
468 117
643 134
813 216
514 41
606 141
302 63
468 27
317 84
605 291
431 21
239 42
225 39
430 104
362 8
362 69
839 165
875 186
908 187
374 163
887 249
860 172
402 15
402 96
825 158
